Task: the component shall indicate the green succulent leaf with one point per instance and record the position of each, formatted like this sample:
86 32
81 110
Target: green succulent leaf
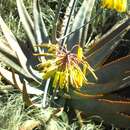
26 98
26 21
105 46
55 23
5 48
111 77
82 16
117 69
39 26
113 109
9 77
66 24
13 64
97 58
15 46
104 88
118 28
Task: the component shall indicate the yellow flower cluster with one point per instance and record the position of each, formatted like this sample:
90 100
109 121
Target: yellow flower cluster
65 68
118 5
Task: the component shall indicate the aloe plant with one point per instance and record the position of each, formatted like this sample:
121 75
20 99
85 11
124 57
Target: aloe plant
94 92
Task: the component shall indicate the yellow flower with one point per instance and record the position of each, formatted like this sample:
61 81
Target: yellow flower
80 53
66 68
107 3
118 5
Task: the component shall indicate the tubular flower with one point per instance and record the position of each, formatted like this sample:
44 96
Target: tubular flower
66 68
118 5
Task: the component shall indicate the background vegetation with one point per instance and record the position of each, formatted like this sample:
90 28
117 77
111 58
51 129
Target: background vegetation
12 113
